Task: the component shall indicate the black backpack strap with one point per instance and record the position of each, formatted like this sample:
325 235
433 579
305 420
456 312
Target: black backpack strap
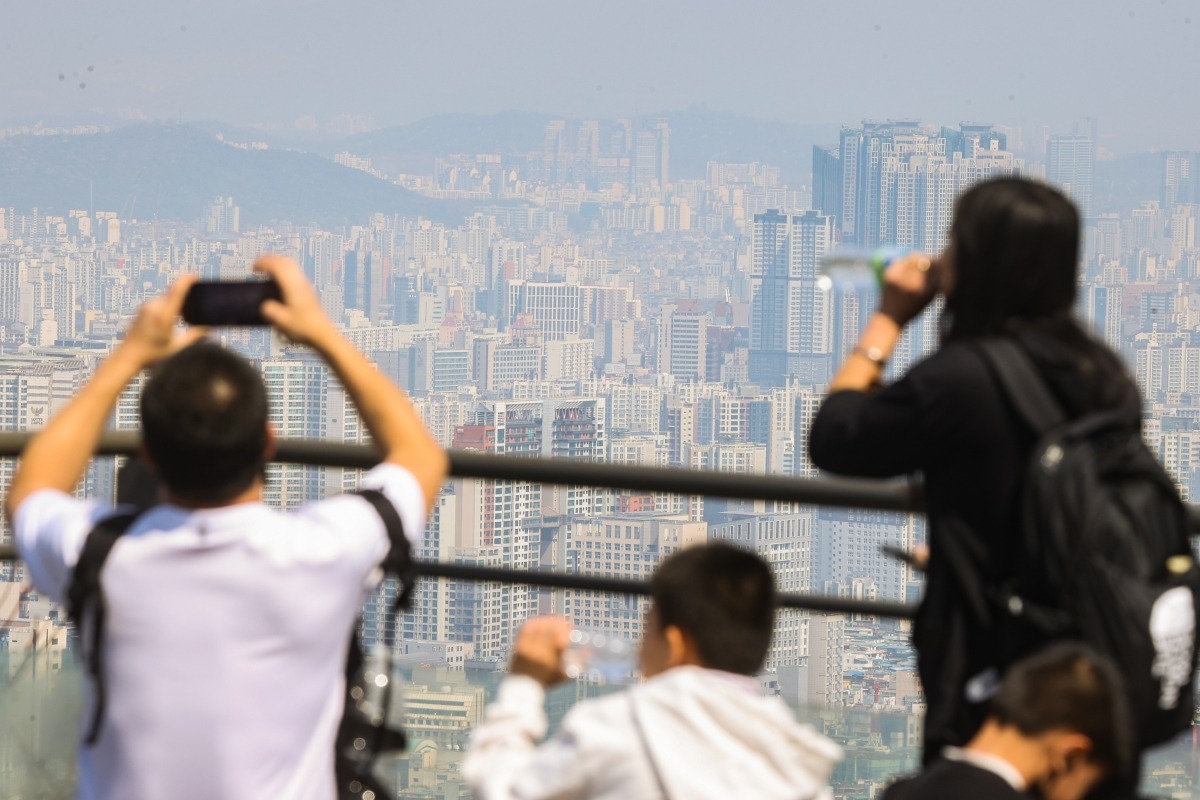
359 739
1024 386
399 561
84 592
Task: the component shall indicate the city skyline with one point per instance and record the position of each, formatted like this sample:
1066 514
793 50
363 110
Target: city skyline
595 303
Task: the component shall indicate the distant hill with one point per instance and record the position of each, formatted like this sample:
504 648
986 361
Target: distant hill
414 146
1124 183
174 171
697 137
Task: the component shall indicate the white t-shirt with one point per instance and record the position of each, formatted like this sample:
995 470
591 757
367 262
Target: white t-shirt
225 638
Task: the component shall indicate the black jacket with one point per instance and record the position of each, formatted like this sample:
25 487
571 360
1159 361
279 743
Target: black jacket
949 780
948 419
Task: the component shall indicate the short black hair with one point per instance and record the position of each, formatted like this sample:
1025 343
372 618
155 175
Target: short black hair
204 423
1068 686
724 598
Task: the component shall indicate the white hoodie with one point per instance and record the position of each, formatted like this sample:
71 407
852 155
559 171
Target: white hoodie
687 734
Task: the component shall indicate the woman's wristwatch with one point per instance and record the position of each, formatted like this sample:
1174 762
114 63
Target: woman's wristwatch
872 354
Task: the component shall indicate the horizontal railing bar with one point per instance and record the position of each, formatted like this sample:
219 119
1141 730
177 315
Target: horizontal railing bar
895 496
593 583
483 466
899 496
874 495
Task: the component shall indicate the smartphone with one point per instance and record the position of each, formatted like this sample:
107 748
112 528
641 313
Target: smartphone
228 303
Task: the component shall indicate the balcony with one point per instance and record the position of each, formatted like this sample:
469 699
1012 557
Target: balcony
867 705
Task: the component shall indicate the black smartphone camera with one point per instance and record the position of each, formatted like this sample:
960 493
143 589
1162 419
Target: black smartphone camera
228 303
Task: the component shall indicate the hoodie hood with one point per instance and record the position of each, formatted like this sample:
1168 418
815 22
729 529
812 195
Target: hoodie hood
713 735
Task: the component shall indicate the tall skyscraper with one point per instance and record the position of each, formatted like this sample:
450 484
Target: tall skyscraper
555 152
682 343
1100 307
899 179
364 282
1070 165
1181 178
827 182
222 217
789 315
651 155
11 277
307 403
33 388
497 522
846 549
556 308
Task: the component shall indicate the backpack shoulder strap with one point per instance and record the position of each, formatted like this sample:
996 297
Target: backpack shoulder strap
399 561
360 739
1024 387
84 592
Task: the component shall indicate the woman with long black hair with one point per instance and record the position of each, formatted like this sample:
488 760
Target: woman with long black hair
1010 270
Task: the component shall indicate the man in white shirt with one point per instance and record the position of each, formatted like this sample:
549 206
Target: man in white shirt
698 728
227 623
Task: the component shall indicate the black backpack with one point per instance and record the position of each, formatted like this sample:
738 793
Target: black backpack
364 731
1106 554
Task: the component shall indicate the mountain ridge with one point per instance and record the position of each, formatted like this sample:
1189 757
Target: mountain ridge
174 171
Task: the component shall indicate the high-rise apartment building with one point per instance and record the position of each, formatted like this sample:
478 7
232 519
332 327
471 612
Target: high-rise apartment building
847 549
356 280
306 402
498 523
497 517
569 359
651 155
222 217
33 388
819 680
499 363
1070 165
789 314
827 182
1181 178
555 308
683 342
899 179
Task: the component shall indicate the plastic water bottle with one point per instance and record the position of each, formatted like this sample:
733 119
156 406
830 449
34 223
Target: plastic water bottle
600 657
857 268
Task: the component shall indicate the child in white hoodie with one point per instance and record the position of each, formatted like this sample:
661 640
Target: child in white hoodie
699 726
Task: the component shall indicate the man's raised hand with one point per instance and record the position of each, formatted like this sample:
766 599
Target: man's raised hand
299 315
153 336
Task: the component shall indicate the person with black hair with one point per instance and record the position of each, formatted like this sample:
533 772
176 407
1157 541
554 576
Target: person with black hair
227 624
698 727
1009 270
1058 727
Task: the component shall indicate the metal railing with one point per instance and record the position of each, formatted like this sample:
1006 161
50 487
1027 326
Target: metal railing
896 496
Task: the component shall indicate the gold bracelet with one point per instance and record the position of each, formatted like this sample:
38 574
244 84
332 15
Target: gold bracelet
872 354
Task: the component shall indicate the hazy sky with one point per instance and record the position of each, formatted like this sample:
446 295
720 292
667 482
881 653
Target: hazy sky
1134 65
